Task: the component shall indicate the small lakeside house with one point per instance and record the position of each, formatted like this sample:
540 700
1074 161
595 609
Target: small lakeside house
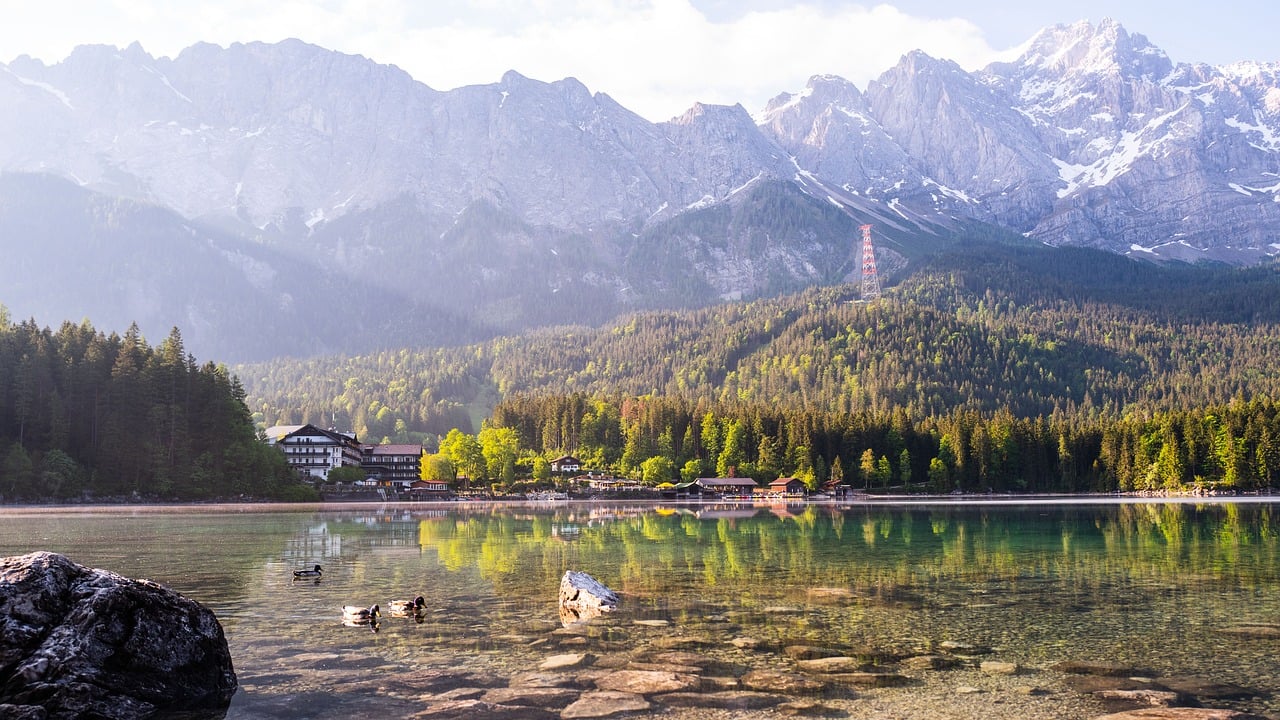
566 464
787 486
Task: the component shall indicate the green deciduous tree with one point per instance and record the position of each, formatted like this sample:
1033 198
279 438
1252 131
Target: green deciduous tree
657 469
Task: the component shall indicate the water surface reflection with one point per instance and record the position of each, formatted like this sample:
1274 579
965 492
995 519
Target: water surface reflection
1148 585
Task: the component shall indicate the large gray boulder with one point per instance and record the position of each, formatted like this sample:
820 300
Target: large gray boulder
82 643
583 597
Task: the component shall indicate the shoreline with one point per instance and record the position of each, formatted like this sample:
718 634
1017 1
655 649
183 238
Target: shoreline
976 500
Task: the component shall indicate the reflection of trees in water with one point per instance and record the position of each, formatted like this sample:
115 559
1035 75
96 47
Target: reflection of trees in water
760 557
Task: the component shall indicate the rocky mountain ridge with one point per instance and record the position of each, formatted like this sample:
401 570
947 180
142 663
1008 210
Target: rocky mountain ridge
523 203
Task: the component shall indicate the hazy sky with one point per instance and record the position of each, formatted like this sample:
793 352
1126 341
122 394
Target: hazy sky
656 57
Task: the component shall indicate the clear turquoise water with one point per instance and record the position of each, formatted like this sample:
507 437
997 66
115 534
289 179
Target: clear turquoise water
1149 585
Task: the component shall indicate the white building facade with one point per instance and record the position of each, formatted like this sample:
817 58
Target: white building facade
313 451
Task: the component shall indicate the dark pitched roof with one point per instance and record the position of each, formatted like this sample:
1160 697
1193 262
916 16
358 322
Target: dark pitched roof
395 449
726 482
340 438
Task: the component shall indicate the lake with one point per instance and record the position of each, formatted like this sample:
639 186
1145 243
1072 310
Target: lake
1183 592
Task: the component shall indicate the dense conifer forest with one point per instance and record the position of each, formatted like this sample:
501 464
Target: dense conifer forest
989 367
88 415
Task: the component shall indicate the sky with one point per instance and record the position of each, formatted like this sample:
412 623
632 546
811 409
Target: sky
655 57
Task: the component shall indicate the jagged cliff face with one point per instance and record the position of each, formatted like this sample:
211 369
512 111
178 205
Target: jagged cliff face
1092 137
1148 153
526 202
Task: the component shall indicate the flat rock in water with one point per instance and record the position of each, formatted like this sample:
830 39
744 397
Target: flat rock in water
540 679
1205 689
77 642
682 642
1078 667
747 643
480 710
678 657
780 682
1253 631
1152 697
603 704
723 700
929 662
1180 714
959 648
459 694
1100 683
995 667
715 683
567 661
831 595
531 696
441 681
806 708
869 679
647 682
838 664
665 667
810 652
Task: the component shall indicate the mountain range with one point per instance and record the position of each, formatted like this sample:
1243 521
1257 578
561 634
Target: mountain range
284 199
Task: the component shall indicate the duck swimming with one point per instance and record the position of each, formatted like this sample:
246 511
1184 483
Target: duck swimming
300 574
405 608
359 615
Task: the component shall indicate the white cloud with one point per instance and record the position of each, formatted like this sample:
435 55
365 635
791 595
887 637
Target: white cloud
655 57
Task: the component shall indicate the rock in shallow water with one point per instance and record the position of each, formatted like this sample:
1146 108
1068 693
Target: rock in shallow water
78 642
1180 714
605 703
582 597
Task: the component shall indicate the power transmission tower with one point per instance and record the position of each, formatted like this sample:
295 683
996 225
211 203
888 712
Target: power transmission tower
870 281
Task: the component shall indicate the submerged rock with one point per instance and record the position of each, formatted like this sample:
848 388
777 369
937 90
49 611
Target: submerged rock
930 662
996 667
1253 631
1180 714
810 652
1101 669
837 664
722 700
1149 696
531 696
567 661
480 710
781 682
648 682
78 642
1206 689
605 703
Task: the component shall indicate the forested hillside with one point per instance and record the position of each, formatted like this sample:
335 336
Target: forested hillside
1030 330
104 416
989 367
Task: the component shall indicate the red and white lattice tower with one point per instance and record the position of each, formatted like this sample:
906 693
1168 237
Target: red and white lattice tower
870 281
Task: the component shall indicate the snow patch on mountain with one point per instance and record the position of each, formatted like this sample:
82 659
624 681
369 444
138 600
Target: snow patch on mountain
1267 136
61 96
